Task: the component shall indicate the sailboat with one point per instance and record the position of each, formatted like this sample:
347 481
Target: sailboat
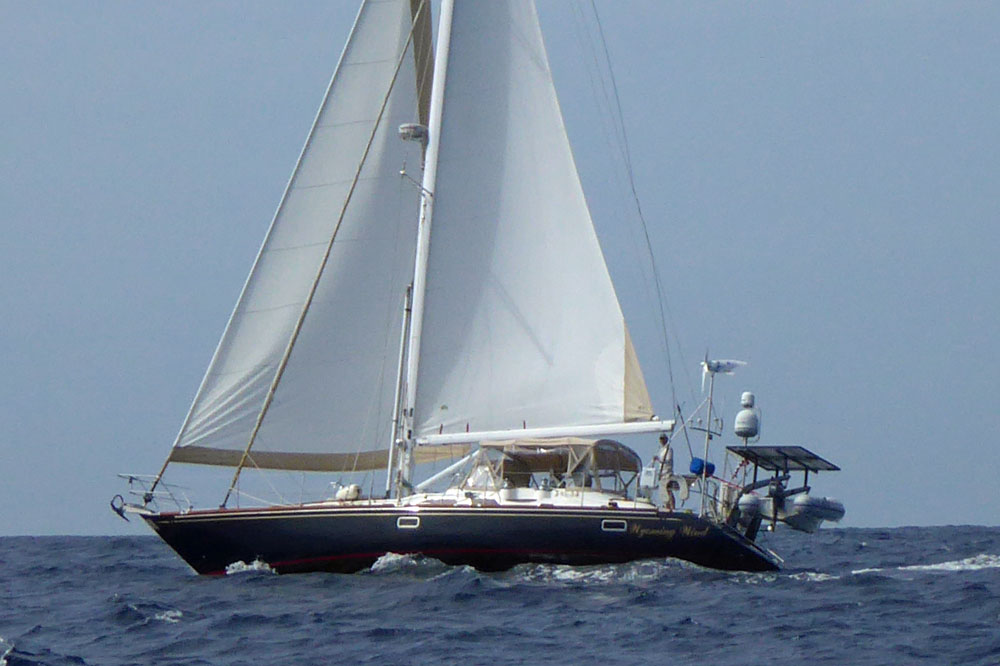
431 291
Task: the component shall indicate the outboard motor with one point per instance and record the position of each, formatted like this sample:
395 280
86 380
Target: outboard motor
750 507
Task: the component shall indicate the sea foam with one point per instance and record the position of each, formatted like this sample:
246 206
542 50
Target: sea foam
974 563
242 567
391 562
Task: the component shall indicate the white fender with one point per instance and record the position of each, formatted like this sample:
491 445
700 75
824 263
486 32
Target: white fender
678 484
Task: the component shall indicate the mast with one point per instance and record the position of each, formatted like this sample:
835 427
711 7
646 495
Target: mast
708 438
423 58
423 240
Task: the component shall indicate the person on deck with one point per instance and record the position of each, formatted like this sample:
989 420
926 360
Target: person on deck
666 459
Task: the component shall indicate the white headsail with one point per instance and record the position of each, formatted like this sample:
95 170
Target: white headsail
335 396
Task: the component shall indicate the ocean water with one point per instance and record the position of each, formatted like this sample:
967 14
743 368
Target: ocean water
847 596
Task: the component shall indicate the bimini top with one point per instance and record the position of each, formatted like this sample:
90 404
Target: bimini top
567 453
784 458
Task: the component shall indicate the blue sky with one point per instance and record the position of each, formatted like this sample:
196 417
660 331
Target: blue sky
819 180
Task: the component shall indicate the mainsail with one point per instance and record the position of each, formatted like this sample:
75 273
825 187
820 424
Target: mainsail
336 392
521 325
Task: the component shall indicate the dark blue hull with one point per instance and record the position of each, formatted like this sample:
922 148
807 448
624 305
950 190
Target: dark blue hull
350 539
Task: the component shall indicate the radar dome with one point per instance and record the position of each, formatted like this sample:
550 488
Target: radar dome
747 421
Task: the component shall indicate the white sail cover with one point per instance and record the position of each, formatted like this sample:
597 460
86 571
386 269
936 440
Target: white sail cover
336 394
522 327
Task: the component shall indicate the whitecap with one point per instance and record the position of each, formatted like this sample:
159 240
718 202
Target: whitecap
172 616
415 564
974 563
393 562
814 576
145 613
242 567
449 570
566 574
751 578
600 574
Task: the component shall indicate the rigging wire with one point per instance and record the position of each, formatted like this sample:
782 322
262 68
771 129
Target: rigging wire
613 140
626 153
611 134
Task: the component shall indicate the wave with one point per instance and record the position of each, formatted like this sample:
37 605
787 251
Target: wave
240 567
172 616
598 574
559 574
135 614
637 572
421 566
662 570
5 649
392 562
974 563
144 614
814 576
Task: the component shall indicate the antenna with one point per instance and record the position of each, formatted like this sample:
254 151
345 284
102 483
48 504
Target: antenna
414 181
709 369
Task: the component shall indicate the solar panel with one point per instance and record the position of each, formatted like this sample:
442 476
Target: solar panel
784 458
